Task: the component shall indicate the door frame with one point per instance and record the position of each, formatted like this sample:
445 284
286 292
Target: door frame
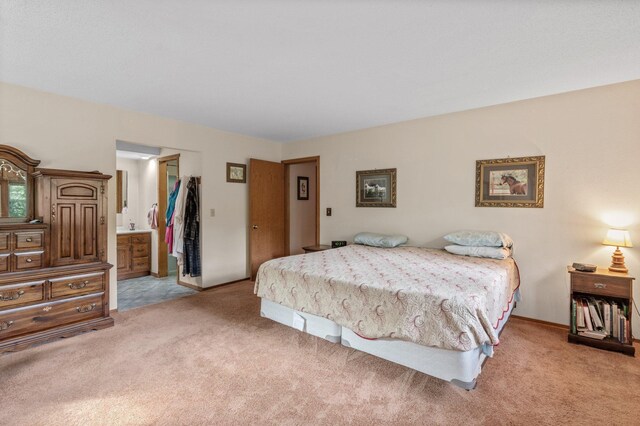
162 250
287 201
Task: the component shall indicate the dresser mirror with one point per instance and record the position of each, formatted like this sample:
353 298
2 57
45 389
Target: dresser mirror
16 185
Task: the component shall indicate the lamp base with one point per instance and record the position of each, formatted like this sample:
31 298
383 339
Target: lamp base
617 262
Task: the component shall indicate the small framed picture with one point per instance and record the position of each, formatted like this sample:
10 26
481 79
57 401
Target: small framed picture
376 188
236 173
303 188
510 182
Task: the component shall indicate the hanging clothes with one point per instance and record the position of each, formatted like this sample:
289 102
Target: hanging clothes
178 222
171 204
192 259
152 216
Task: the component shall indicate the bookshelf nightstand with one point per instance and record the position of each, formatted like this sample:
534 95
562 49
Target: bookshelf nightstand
610 288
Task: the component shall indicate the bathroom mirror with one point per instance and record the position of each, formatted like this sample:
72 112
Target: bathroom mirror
16 185
121 190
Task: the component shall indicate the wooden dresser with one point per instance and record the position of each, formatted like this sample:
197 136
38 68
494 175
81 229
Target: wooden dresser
134 255
54 275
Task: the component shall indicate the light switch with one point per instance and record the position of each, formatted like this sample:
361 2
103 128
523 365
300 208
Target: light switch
328 211
212 212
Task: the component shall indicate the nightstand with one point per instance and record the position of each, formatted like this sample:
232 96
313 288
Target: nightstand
312 249
594 291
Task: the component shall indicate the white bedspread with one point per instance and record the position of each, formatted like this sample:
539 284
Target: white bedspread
426 296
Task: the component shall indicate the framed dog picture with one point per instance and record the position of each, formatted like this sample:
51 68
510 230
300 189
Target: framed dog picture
510 182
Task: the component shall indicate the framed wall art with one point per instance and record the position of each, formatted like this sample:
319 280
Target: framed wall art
376 188
303 188
236 173
510 182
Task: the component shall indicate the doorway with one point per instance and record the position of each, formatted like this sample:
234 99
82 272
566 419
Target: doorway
138 197
270 197
302 207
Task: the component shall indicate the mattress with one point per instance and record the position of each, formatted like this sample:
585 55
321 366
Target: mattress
425 296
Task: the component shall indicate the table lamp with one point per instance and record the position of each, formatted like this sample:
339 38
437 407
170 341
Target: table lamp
618 238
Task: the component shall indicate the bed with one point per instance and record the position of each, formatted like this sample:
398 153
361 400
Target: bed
427 309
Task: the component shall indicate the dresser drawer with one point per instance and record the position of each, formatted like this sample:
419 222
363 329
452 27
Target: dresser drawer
28 319
28 240
599 285
140 239
4 262
140 250
29 260
140 264
4 241
123 240
22 293
77 285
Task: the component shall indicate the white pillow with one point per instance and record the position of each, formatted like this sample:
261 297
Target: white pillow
480 238
490 252
379 240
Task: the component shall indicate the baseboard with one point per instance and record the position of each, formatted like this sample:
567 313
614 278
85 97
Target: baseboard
195 287
191 286
550 324
154 274
537 321
225 284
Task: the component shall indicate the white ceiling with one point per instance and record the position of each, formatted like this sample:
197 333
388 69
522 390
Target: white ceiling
293 69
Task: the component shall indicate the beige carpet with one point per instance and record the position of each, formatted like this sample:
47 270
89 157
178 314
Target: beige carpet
211 359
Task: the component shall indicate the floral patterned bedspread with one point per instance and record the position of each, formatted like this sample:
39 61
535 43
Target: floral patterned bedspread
426 296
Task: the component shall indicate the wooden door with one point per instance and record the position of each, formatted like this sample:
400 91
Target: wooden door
163 192
76 218
266 200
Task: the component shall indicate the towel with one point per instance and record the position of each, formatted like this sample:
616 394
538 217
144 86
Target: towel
152 217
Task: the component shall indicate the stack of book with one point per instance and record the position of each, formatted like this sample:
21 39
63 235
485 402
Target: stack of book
600 318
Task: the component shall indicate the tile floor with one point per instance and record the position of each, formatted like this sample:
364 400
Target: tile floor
148 290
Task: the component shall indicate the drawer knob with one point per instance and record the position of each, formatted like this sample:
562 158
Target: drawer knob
86 308
29 239
4 325
78 286
28 260
11 296
599 285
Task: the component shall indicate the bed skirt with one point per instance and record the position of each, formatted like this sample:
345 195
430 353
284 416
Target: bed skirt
457 367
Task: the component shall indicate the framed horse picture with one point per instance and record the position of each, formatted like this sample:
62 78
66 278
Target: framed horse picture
510 182
376 188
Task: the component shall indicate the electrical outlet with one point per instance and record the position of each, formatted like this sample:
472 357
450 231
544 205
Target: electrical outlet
212 212
328 211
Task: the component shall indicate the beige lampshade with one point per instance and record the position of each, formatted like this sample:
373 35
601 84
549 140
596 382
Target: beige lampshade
618 238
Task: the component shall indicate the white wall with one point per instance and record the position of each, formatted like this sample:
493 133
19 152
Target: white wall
72 134
148 195
591 140
302 213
